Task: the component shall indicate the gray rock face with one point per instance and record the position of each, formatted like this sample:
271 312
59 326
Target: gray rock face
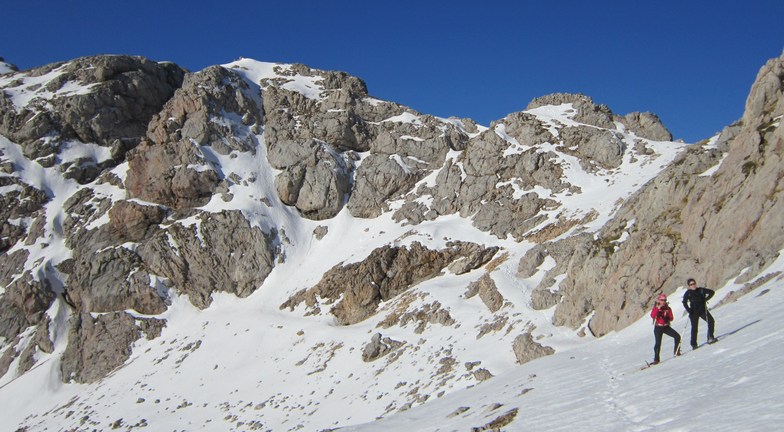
106 100
595 148
134 222
312 141
646 125
526 349
316 182
167 174
169 168
112 280
386 273
223 253
379 347
24 303
191 115
97 346
487 291
25 201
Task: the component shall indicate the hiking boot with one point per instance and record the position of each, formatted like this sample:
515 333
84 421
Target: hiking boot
678 352
694 347
712 340
655 362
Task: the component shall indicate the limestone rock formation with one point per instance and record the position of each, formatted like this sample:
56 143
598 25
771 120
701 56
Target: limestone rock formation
170 167
223 253
487 291
97 346
105 100
646 125
386 273
526 349
379 347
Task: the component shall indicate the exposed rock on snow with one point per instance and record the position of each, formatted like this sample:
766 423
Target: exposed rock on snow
222 253
389 271
379 347
487 291
105 100
527 349
96 346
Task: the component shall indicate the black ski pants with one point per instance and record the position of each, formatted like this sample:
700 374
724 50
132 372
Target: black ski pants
658 331
695 325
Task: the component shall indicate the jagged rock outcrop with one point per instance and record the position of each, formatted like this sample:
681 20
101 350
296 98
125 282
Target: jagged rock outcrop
106 100
134 222
595 148
431 313
97 346
113 279
24 303
384 274
312 139
379 347
487 291
220 252
482 182
526 348
170 167
20 202
645 125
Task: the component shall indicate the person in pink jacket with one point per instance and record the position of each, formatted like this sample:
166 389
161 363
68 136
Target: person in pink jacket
662 317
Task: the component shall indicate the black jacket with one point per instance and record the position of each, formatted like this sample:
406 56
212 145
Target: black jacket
694 301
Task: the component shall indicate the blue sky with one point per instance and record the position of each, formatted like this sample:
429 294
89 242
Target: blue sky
690 62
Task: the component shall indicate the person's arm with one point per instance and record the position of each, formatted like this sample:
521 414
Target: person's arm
708 293
654 312
686 302
668 315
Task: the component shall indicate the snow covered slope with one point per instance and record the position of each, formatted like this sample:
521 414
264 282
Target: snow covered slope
227 368
735 384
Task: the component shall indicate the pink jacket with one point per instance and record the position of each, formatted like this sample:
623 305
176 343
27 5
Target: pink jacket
662 316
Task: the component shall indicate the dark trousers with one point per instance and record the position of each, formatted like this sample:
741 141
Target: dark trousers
695 325
669 331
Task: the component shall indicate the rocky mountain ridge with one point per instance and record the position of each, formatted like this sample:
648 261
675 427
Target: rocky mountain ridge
129 185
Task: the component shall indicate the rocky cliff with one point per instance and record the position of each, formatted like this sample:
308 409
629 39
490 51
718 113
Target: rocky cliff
128 185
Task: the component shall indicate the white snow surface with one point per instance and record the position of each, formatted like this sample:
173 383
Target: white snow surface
246 364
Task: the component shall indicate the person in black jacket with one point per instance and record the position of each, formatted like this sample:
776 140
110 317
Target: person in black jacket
695 302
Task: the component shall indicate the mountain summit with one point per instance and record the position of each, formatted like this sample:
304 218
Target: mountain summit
260 246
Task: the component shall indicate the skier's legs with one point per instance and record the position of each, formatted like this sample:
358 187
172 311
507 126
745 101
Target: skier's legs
695 322
669 331
711 324
657 334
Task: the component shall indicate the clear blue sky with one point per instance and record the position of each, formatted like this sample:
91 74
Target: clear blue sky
690 62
